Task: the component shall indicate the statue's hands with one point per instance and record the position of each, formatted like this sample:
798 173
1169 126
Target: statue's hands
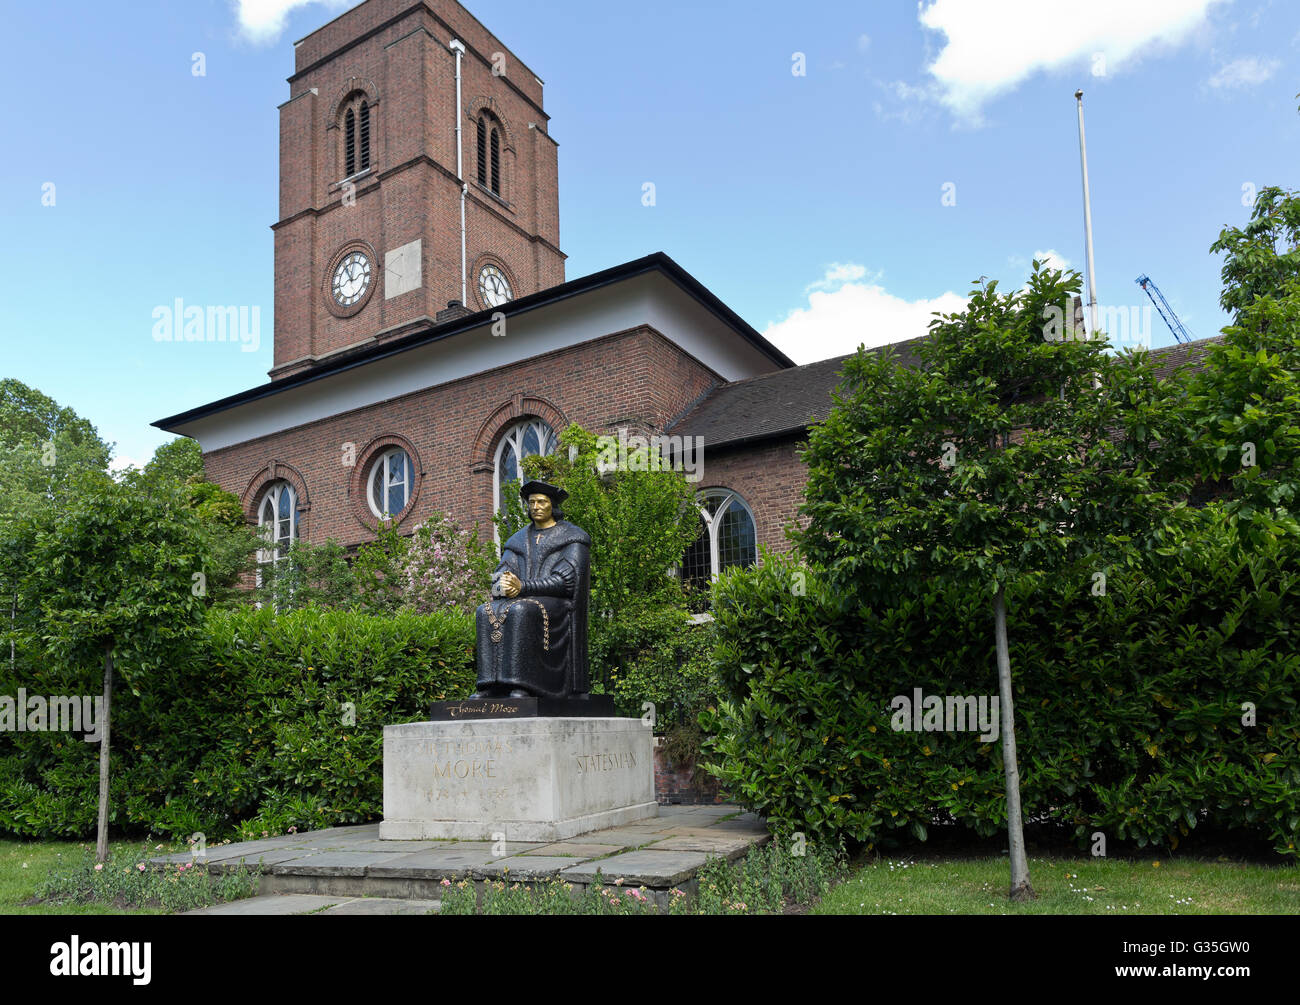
511 584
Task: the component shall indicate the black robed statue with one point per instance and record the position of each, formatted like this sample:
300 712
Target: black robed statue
532 634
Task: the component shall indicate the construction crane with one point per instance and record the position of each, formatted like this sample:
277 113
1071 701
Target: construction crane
1181 334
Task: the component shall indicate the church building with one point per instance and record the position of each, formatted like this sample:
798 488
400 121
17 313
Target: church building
426 337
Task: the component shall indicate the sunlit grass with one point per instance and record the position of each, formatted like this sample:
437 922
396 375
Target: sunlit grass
1066 886
24 865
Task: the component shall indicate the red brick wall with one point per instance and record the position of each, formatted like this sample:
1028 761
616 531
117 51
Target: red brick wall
677 783
408 76
769 477
635 378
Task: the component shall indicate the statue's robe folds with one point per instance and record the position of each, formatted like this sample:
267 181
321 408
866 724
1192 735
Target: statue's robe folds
546 657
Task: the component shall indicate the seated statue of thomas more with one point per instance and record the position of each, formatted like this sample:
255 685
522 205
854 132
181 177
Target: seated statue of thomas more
532 634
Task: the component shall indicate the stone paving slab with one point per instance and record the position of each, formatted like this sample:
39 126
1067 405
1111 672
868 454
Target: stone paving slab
443 861
255 862
276 904
249 849
623 836
383 905
577 849
640 868
337 863
728 845
521 867
373 844
747 823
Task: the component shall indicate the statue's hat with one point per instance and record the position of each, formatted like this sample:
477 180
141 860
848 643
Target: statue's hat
557 495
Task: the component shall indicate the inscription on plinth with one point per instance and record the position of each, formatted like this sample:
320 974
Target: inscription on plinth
534 779
587 706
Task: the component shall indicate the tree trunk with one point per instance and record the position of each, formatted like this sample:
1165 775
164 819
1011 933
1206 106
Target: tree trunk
101 843
1020 888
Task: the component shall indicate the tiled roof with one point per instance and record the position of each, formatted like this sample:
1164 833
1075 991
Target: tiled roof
786 401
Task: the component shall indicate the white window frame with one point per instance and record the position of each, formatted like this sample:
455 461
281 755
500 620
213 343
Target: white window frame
274 497
713 521
514 437
384 460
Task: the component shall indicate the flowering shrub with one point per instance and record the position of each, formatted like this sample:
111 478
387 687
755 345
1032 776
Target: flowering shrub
127 881
763 882
445 568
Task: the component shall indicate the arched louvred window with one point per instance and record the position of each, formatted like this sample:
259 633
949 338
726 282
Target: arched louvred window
482 151
365 136
349 144
496 162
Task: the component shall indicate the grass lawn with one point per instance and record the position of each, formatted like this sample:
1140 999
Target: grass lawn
25 864
1066 886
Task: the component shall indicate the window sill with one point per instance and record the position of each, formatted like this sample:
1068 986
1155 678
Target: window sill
352 178
492 195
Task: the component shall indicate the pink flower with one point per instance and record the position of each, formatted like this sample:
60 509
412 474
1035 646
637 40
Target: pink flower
446 882
140 867
99 866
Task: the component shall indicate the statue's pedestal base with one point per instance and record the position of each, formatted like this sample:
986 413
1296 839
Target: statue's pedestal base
531 779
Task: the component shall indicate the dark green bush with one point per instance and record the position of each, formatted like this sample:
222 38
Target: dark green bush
271 722
1129 706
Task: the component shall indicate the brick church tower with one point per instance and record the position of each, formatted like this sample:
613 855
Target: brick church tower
416 174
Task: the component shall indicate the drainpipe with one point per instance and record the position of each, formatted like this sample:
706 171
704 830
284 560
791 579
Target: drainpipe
458 47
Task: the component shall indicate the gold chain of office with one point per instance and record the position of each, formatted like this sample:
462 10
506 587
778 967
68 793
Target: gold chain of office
498 621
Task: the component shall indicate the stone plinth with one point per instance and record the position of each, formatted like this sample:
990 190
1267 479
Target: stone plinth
542 779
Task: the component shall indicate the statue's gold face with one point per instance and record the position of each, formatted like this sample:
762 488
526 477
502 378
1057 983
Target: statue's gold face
539 508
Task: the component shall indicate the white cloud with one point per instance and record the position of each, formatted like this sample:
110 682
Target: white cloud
1054 259
1245 72
993 46
263 21
120 463
864 42
848 307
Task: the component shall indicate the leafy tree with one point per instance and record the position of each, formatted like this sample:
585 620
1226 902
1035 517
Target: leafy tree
1263 256
1239 437
231 541
115 578
1238 434
1005 459
181 459
41 445
641 516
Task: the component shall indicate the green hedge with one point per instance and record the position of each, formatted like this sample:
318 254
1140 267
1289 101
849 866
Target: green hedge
1128 706
246 733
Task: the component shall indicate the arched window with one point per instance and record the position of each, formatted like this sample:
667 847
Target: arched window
390 484
482 152
349 144
277 519
364 142
727 538
356 136
489 153
496 162
532 436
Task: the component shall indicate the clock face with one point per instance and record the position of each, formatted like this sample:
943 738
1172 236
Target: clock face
351 279
493 286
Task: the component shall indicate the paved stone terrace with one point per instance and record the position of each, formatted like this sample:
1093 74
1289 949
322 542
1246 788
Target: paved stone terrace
349 870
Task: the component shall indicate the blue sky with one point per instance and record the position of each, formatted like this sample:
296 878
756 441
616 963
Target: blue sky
812 204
